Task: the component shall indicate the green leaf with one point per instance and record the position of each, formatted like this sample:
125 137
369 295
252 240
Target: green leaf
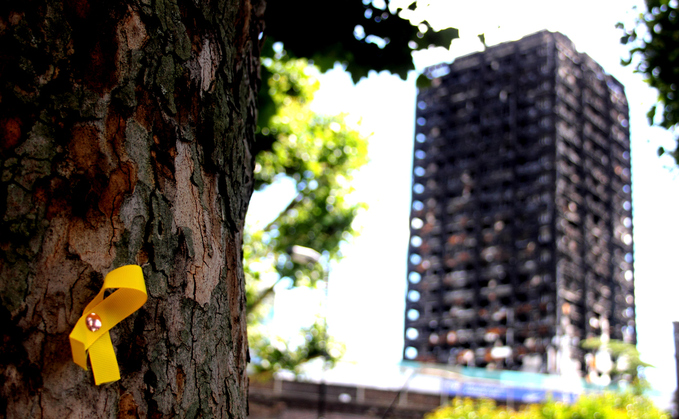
658 58
482 38
650 115
423 82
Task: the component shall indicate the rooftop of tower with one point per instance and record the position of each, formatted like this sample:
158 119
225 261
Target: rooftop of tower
506 48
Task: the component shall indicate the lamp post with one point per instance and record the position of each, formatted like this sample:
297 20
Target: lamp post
305 256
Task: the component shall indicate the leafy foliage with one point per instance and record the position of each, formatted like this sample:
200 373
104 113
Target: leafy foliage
319 153
274 353
655 40
362 36
605 406
627 361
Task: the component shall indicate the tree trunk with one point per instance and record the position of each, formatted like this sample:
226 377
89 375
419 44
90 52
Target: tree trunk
126 129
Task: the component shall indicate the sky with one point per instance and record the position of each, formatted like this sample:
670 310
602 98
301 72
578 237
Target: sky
366 295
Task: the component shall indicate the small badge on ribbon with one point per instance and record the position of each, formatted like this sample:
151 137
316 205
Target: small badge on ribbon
91 332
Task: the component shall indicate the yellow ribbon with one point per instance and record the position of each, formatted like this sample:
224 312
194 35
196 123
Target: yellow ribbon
91 331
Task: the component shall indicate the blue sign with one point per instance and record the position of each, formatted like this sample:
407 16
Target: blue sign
477 389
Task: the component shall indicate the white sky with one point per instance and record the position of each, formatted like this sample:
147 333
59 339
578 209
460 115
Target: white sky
367 289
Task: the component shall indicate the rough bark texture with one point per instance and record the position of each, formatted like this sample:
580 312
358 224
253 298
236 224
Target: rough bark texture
125 135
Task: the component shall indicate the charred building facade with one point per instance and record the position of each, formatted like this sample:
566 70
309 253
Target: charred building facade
521 219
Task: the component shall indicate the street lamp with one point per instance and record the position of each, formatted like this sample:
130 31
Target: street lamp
305 256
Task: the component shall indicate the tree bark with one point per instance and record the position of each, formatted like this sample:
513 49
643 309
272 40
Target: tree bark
126 130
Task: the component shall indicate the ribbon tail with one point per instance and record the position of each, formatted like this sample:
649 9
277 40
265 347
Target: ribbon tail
79 353
103 360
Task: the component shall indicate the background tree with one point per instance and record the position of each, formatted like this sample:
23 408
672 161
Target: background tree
654 41
318 154
361 36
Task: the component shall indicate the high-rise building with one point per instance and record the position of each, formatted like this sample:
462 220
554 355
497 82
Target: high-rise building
521 219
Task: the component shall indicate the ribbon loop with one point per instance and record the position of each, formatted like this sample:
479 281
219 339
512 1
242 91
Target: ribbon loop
91 332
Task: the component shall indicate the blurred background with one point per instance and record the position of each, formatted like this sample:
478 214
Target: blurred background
366 292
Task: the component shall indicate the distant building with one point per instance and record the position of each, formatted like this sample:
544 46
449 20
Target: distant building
521 220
